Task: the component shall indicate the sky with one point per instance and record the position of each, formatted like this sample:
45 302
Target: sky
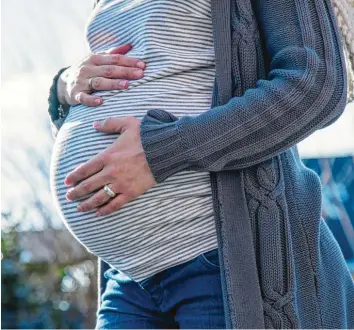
39 37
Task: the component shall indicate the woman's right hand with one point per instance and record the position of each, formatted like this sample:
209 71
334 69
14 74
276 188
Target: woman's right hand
111 69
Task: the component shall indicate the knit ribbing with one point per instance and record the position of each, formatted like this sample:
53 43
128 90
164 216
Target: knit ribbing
305 89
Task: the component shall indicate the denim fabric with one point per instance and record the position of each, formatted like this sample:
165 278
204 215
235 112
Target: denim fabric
186 296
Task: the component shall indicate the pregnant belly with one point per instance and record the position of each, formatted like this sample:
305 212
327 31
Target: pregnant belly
125 236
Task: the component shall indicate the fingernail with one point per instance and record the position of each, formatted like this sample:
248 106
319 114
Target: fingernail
140 65
123 83
79 208
138 73
96 124
98 214
97 101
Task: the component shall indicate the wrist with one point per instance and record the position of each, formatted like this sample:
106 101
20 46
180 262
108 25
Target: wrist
162 144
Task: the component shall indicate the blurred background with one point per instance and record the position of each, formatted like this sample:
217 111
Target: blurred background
48 279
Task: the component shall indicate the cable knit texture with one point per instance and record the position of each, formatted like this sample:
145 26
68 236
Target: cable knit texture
288 79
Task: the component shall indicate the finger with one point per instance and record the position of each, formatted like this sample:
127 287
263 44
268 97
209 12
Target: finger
115 59
117 71
114 205
102 59
93 202
100 83
89 100
88 186
128 61
112 124
120 49
94 165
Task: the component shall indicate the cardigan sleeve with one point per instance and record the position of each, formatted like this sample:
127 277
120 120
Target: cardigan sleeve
304 90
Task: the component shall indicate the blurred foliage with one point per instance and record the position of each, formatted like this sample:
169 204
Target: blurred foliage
42 295
49 279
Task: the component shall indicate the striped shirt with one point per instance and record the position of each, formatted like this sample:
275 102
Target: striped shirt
173 222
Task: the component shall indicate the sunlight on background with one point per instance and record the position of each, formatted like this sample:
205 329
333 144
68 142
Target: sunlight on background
38 38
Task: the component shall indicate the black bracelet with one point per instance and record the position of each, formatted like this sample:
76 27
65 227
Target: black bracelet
56 109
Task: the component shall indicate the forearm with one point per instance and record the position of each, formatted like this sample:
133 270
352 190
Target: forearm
305 90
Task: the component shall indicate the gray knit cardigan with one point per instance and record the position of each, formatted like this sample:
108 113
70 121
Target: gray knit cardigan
280 76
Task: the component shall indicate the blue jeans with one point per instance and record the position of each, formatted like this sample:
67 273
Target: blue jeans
186 296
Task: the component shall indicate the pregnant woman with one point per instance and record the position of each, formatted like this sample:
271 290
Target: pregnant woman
142 162
173 222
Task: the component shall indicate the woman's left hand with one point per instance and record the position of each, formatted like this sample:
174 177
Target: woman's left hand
122 165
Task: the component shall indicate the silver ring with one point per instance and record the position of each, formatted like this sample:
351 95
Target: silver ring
109 191
90 84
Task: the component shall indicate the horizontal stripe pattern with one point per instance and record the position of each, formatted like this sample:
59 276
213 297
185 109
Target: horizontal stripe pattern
173 222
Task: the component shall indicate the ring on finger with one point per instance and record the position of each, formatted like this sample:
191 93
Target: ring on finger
90 84
109 191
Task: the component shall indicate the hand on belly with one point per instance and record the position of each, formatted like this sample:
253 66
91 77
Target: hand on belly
122 165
